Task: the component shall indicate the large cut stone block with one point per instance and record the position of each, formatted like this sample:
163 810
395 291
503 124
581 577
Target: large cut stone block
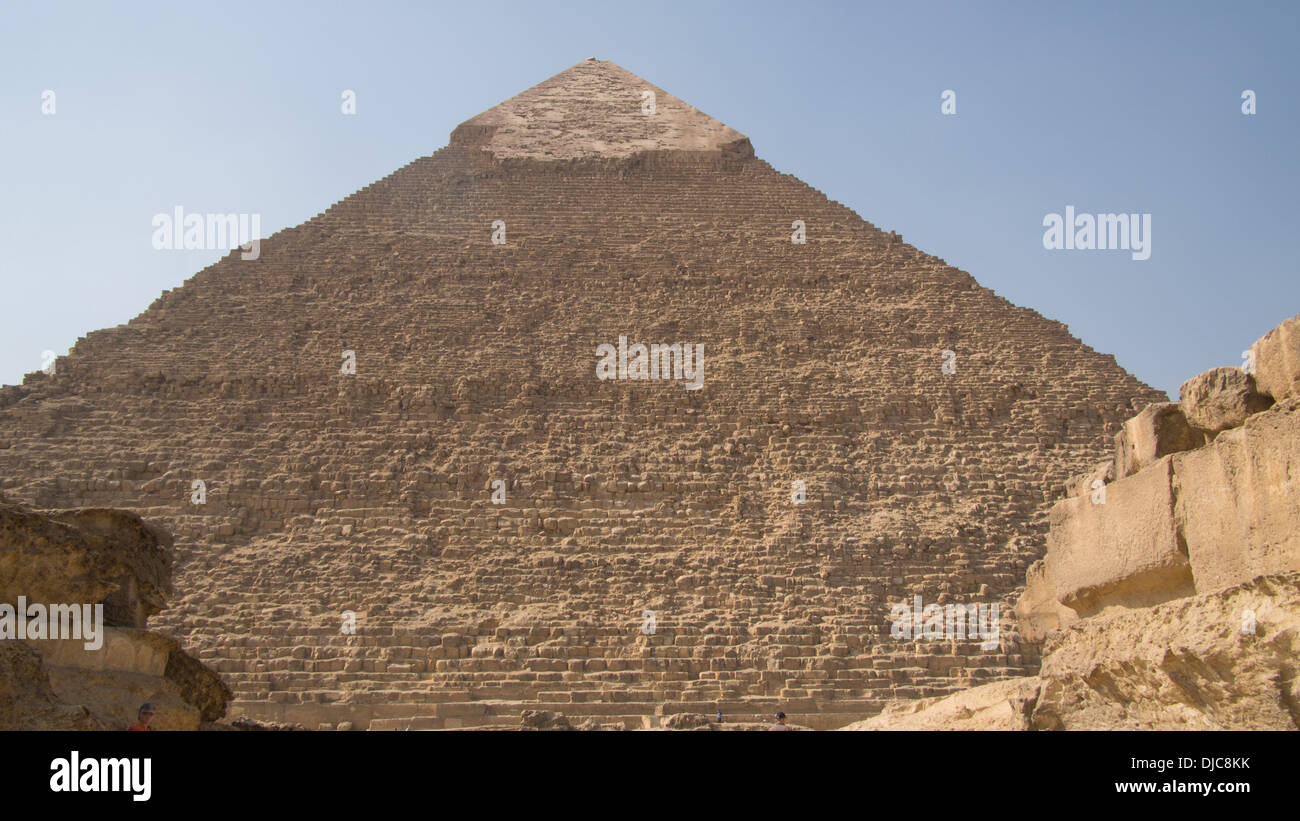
1123 551
1037 610
1221 398
1239 500
1159 430
86 556
1277 360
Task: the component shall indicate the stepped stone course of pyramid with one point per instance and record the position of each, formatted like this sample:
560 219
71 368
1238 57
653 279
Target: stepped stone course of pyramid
372 492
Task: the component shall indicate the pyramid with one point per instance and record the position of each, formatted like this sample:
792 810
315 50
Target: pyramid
501 518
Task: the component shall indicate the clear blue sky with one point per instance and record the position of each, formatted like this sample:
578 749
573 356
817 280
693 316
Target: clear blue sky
1109 107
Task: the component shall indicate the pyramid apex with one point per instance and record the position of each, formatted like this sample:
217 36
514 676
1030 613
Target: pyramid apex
596 109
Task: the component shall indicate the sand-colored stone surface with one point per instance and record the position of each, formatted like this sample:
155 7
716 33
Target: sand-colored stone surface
111 558
1159 430
1038 610
1239 500
371 493
1194 521
1002 705
1221 398
28 701
1171 600
1185 664
1182 665
1125 550
88 555
1277 360
595 109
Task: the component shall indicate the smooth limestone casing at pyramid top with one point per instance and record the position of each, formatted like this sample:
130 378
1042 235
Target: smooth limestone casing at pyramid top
371 493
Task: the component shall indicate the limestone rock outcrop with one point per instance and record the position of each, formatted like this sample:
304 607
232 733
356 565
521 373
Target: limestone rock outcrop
28 702
1169 598
95 557
88 555
1039 608
1276 358
1220 661
1228 660
1192 518
1239 500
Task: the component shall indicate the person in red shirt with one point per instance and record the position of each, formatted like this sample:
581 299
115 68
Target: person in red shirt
146 715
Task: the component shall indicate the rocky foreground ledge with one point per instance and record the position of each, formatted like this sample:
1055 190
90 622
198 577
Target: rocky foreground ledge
113 566
1169 598
1183 665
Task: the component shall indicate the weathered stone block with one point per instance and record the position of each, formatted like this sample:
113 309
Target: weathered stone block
1239 500
1159 430
1277 360
1125 551
89 557
1183 665
1220 398
85 556
27 700
1038 611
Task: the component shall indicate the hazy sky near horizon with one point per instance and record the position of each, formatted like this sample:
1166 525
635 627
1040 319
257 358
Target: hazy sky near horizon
1108 107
